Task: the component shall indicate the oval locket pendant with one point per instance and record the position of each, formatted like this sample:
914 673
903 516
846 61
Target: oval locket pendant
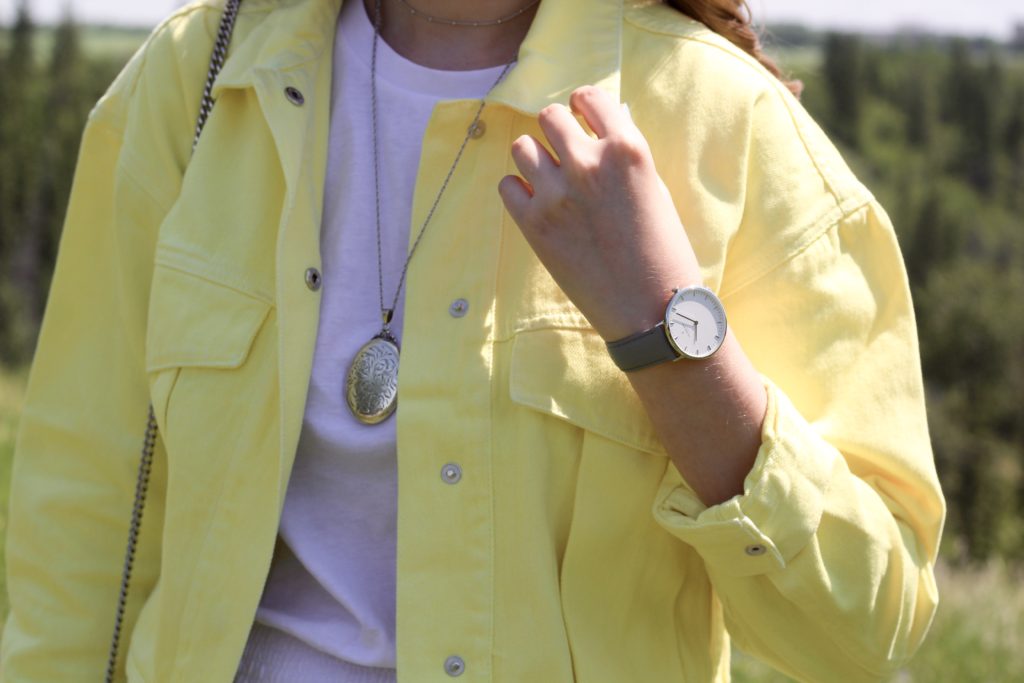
372 386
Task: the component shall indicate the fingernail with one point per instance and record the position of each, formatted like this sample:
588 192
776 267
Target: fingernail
625 108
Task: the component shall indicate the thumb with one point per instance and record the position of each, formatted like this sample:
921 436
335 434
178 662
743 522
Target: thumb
516 193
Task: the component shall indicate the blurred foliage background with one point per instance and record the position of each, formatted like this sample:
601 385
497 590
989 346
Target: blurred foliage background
934 126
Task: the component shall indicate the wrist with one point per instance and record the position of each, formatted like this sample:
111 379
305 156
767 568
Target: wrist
693 327
641 311
635 316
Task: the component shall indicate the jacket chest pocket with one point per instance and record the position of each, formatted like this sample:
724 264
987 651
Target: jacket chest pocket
211 363
568 374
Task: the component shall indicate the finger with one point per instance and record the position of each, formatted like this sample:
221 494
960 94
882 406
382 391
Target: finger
534 162
516 194
599 109
562 130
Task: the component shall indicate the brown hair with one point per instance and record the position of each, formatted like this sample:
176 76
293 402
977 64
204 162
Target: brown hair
732 19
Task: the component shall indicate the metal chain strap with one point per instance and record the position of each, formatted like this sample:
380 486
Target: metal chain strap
220 50
141 487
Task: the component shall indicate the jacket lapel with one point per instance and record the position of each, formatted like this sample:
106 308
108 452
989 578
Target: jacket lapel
293 49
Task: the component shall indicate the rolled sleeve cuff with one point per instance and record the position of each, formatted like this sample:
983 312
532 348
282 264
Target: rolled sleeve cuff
781 506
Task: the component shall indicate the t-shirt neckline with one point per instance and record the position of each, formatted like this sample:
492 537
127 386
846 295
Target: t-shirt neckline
355 33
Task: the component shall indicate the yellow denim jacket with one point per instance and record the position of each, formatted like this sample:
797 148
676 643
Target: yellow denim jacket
571 549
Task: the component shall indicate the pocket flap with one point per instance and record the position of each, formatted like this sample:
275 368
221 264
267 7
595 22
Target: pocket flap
194 321
569 374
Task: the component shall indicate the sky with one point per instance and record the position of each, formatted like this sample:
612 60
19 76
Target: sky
946 16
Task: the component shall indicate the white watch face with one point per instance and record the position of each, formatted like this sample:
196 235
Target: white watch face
695 320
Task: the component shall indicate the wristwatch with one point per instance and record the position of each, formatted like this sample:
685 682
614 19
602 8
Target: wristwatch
694 327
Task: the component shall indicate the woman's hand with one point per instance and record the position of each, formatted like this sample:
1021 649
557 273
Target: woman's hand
598 217
602 222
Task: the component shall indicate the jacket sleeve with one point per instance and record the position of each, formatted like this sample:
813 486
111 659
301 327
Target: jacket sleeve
82 426
824 565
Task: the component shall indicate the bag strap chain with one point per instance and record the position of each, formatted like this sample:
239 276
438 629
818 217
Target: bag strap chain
220 53
141 487
220 50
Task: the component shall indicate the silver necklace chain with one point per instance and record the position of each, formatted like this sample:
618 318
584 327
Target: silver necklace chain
469 23
387 313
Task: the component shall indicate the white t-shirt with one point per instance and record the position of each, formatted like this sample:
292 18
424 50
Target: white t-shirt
332 583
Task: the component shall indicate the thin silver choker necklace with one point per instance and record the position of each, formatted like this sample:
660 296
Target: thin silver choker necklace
371 388
471 24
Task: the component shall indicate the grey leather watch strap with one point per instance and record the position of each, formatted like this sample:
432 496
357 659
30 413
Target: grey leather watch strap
642 349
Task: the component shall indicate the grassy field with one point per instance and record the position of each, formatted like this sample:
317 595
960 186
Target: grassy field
976 636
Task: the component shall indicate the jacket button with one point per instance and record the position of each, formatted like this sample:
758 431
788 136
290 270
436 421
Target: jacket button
294 96
454 666
755 550
477 130
451 473
458 308
313 279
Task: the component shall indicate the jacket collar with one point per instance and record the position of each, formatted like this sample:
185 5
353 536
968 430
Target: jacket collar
296 34
571 43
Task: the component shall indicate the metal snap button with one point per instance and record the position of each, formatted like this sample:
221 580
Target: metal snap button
454 666
294 96
458 308
313 279
451 473
756 549
477 130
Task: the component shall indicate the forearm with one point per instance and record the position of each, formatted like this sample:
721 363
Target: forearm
708 415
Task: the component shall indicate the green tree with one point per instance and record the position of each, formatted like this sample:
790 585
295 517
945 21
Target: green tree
1013 143
66 106
844 74
20 170
920 103
973 98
